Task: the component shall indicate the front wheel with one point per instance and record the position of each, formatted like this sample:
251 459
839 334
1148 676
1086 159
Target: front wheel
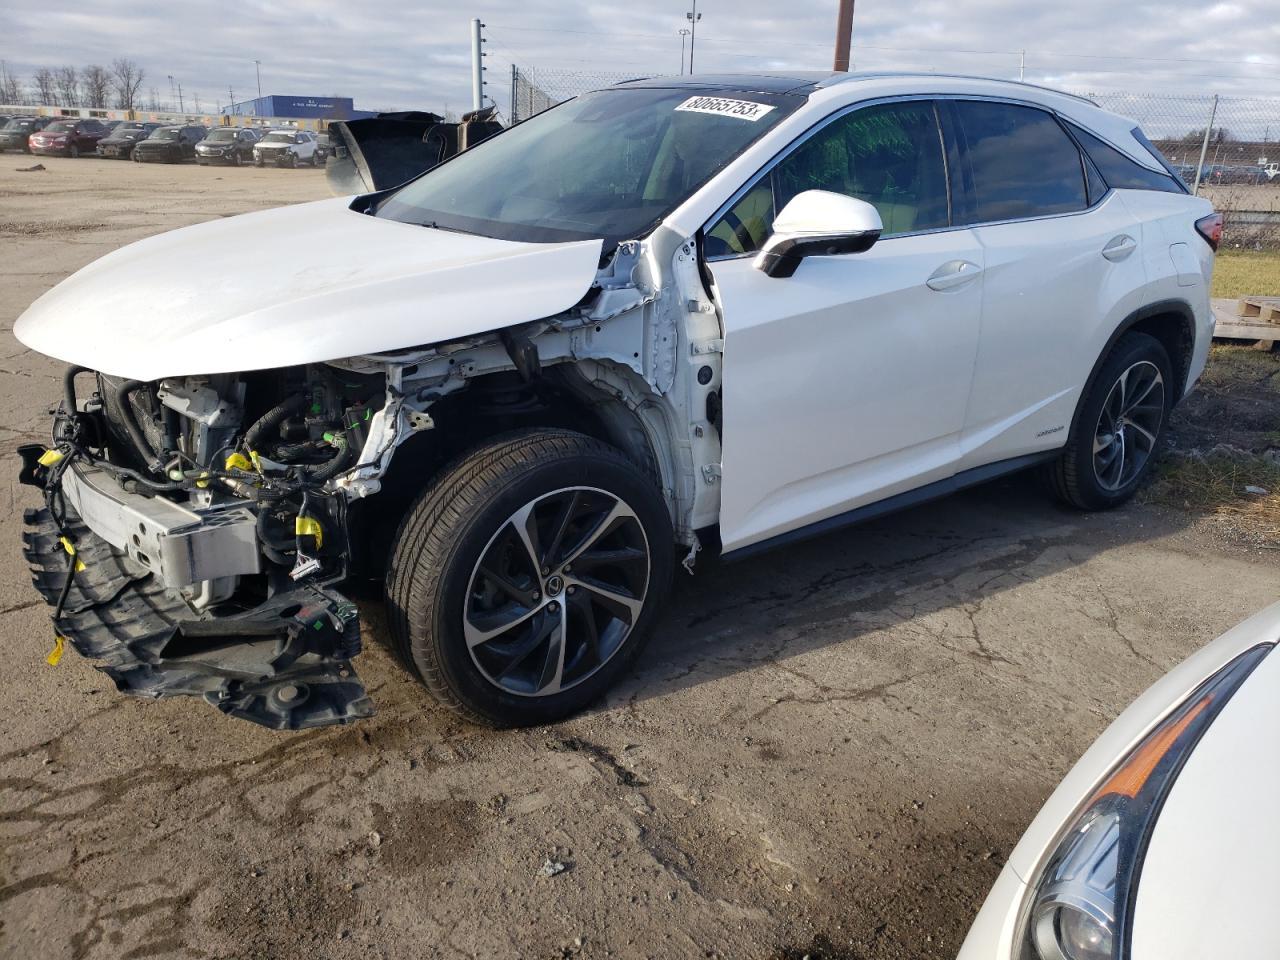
528 576
1118 430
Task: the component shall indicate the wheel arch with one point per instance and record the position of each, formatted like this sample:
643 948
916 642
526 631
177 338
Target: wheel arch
564 397
1172 323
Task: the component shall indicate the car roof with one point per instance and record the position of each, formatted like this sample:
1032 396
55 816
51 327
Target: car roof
805 81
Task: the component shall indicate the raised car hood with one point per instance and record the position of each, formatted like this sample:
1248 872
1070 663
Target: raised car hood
1208 886
299 284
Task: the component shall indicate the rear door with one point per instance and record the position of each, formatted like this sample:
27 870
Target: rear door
846 383
1063 267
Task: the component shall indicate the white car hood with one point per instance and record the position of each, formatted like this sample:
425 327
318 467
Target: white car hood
1209 883
293 285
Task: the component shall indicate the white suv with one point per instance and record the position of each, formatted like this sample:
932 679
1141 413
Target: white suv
714 314
288 148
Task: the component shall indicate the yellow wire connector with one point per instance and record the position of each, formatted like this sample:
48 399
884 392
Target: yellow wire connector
55 655
309 527
70 547
49 458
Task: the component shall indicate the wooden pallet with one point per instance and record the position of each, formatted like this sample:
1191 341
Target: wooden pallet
1229 324
1266 309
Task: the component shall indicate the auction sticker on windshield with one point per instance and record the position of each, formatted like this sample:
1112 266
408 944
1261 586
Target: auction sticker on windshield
742 109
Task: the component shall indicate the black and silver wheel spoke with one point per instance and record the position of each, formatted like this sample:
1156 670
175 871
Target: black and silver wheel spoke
1128 426
557 591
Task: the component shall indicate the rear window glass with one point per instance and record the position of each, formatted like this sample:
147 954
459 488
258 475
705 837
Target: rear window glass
1118 170
1022 162
60 127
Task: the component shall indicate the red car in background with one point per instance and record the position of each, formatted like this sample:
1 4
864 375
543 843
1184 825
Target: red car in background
68 138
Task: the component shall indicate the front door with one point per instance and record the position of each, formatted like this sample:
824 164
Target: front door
846 383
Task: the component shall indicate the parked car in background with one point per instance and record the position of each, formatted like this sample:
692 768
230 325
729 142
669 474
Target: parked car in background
169 144
1271 170
15 134
288 148
120 142
68 138
112 124
1162 842
233 145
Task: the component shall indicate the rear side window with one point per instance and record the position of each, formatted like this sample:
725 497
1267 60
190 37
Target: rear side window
1118 170
1021 161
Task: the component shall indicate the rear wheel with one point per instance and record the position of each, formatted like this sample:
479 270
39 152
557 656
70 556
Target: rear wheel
528 576
1119 427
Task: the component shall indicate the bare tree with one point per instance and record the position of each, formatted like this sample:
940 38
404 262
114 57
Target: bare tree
10 86
68 82
95 82
44 84
126 78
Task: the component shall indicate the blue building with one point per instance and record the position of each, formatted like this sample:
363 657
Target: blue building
310 108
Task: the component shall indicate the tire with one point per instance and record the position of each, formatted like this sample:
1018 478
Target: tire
1102 467
438 588
259 162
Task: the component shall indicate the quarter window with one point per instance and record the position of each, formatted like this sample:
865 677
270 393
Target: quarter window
1118 170
1021 161
889 155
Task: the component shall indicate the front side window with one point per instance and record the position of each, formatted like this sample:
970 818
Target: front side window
889 155
610 164
1021 161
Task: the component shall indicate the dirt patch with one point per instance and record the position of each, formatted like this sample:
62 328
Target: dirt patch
1223 456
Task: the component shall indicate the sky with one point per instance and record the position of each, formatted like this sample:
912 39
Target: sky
399 54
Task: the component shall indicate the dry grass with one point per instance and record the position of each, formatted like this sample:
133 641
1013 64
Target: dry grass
1247 273
1215 485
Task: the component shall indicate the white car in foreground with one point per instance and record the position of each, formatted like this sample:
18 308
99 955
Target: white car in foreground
1163 841
702 313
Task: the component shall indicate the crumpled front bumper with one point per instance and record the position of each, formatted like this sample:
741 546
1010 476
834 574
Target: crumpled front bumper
284 664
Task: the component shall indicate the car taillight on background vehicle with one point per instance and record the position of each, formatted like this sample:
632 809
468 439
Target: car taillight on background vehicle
1210 228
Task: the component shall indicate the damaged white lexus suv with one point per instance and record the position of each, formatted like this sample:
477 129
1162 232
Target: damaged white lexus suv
673 316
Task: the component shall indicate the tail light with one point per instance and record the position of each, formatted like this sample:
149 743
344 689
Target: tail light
1210 228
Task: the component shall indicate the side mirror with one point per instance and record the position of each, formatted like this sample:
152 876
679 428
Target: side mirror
818 223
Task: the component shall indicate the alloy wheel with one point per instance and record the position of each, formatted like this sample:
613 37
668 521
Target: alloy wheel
557 591
1128 426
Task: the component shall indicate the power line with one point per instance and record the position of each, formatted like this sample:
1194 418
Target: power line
743 41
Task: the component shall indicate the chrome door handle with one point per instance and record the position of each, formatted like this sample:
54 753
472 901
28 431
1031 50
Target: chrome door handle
1118 248
953 274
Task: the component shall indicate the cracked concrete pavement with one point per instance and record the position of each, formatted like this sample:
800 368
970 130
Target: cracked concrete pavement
828 751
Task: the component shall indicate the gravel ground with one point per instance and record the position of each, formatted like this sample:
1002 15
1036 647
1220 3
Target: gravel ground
829 753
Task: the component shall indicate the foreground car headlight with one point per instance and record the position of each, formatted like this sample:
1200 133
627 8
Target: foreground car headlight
1081 899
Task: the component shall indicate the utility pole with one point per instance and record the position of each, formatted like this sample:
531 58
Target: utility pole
693 16
231 100
477 64
1022 67
684 32
844 36
182 107
1204 147
257 69
172 93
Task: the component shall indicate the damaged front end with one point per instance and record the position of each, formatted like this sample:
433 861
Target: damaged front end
192 532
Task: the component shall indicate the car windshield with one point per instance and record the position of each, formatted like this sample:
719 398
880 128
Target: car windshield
19 124
278 138
60 127
165 133
610 165
219 136
130 128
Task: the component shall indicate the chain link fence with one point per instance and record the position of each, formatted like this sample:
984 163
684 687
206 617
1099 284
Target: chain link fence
1240 174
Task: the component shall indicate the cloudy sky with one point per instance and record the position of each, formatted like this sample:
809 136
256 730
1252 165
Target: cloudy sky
399 55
